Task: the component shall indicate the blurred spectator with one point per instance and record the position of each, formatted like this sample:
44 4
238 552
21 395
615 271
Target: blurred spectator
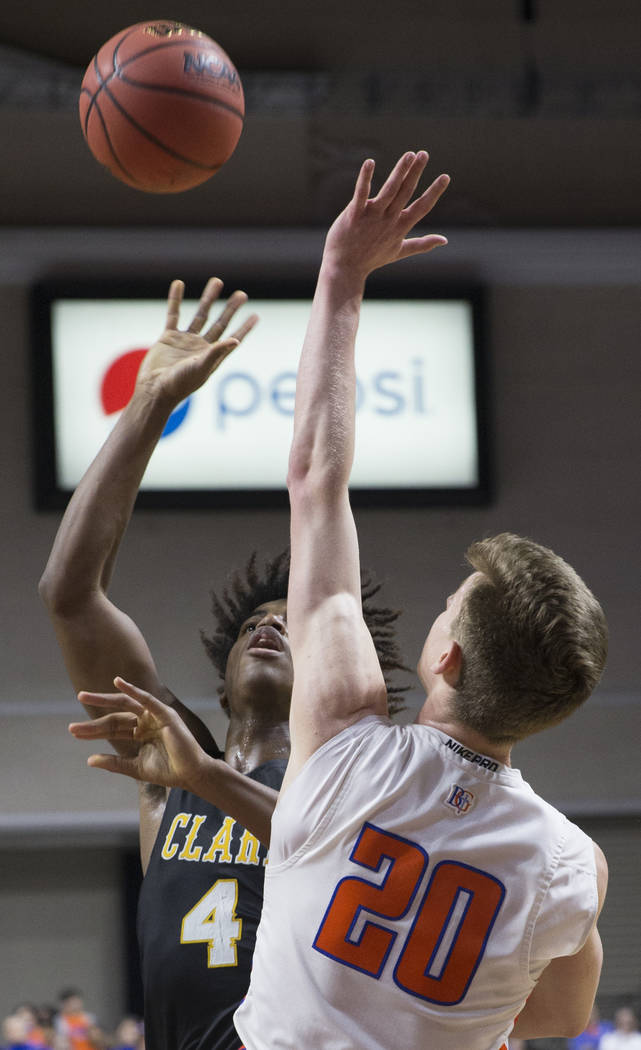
40 1036
128 1035
626 1034
98 1038
73 1023
591 1038
15 1030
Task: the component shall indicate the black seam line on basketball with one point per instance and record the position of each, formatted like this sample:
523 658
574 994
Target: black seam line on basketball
93 97
183 92
156 141
114 63
112 150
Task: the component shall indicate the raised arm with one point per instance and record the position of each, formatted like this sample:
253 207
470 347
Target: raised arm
337 677
97 639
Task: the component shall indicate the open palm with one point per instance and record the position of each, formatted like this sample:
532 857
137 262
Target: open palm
180 361
373 231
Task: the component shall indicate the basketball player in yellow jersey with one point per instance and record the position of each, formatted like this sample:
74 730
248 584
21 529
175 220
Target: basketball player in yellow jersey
201 896
418 892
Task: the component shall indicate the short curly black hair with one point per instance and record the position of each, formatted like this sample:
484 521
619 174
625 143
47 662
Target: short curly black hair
247 589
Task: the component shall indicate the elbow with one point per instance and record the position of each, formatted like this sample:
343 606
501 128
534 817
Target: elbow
59 595
572 1029
576 1023
315 489
299 469
47 589
310 482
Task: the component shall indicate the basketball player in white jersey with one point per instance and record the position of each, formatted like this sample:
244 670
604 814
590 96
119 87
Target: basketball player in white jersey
418 892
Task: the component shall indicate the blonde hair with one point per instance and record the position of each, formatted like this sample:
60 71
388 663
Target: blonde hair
533 637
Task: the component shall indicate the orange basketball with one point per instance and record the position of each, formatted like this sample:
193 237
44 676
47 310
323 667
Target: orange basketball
161 106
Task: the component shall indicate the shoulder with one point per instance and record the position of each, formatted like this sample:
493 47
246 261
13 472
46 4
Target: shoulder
371 748
570 902
358 742
576 870
602 876
313 794
579 853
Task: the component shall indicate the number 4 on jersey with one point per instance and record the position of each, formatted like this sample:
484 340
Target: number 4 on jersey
448 935
213 921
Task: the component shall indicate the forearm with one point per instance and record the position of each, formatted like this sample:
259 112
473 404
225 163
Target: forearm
561 1002
98 513
98 640
242 798
323 443
324 593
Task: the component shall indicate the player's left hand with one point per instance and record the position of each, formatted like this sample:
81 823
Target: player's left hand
372 231
181 361
167 752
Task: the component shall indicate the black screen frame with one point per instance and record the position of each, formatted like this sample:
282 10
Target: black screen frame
49 495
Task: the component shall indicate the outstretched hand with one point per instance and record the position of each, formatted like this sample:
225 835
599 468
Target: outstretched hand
168 753
372 231
180 361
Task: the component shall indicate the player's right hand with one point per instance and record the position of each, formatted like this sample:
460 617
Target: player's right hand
373 231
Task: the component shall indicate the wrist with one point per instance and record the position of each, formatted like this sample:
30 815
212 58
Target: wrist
343 273
151 402
203 774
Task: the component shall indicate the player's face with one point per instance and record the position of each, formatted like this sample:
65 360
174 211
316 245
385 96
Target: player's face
440 636
259 666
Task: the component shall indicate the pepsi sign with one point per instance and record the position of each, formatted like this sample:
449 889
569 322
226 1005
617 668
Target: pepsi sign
419 403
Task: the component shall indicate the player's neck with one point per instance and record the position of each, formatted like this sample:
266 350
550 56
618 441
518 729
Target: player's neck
438 716
252 742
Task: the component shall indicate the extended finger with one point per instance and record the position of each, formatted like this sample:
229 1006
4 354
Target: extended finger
245 328
420 245
211 292
111 701
424 204
394 181
115 764
113 727
234 303
140 700
174 300
363 184
209 359
410 182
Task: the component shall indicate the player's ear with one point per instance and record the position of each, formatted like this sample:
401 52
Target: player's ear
449 663
224 702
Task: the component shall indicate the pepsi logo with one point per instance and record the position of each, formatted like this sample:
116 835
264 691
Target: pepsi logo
117 387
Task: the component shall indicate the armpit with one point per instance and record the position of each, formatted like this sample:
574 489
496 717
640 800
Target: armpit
154 794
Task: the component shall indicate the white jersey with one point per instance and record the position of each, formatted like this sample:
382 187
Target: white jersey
415 891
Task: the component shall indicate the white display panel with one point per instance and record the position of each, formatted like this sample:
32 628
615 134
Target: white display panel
418 424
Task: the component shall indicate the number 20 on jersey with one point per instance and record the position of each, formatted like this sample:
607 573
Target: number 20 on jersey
448 935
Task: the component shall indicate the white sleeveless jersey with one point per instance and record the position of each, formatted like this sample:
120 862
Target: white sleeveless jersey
414 892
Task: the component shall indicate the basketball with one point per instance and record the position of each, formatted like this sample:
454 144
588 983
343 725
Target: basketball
161 106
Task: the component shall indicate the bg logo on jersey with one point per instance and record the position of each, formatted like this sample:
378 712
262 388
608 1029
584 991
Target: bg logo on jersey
117 387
